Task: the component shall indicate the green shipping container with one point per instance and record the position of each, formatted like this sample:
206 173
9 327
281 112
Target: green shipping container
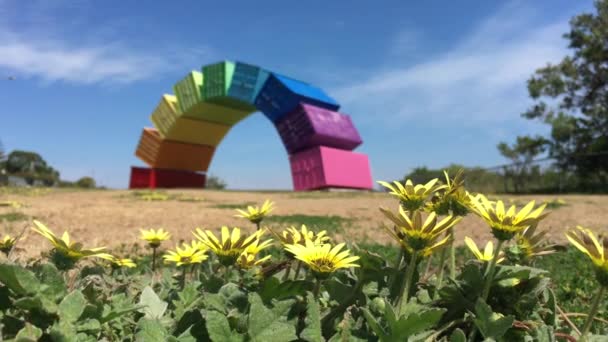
189 90
218 78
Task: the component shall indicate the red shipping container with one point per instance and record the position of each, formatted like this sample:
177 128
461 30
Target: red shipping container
142 177
324 167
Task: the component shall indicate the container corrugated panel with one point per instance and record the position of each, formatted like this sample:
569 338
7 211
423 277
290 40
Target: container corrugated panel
193 131
218 79
247 82
142 177
159 153
281 95
309 126
189 90
324 167
164 178
167 112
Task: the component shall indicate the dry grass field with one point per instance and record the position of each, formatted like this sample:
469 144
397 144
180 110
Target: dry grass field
113 217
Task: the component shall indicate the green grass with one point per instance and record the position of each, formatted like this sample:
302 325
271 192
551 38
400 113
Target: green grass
243 205
13 216
332 224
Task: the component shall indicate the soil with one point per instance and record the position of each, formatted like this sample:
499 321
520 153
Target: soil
113 218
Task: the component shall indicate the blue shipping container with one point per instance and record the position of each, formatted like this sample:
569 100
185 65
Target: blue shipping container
281 95
247 82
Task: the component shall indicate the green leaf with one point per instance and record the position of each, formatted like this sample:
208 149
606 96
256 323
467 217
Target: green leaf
416 323
188 299
36 303
53 283
72 306
490 324
89 325
371 321
150 330
29 333
312 331
219 328
270 324
63 332
153 306
458 336
273 288
18 279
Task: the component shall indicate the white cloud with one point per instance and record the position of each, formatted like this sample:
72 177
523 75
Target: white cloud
482 78
41 49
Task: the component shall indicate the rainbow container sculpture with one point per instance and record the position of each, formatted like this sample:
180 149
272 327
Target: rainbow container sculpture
191 124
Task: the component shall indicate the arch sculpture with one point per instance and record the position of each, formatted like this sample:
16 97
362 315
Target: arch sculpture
189 125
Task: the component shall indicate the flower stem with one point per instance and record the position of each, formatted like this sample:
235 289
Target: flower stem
183 280
317 288
295 276
490 272
153 259
444 254
409 278
452 256
287 272
257 225
592 313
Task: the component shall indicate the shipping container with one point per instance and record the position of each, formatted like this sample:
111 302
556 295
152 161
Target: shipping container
324 167
247 81
280 95
142 178
191 131
160 153
218 79
310 126
189 90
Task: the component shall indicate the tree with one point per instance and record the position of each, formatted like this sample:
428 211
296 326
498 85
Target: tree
31 166
86 183
572 97
214 182
522 154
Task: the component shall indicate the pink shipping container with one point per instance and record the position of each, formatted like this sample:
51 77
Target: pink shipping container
308 126
325 167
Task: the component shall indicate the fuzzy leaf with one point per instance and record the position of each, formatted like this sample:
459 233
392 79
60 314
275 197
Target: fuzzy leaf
312 332
219 328
29 333
36 303
52 281
154 307
72 306
18 279
270 324
371 321
189 298
490 324
89 325
273 288
150 330
458 336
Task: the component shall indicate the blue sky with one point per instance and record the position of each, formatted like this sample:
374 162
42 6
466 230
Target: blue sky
427 83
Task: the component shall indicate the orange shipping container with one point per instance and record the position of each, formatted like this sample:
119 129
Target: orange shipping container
167 154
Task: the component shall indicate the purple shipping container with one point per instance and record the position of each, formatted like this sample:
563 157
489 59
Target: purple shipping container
308 126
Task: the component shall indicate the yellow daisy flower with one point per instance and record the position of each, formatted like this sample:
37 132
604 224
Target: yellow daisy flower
231 245
120 262
323 259
7 244
586 241
66 248
188 255
154 237
531 244
417 236
292 236
506 223
413 197
488 252
256 214
247 260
